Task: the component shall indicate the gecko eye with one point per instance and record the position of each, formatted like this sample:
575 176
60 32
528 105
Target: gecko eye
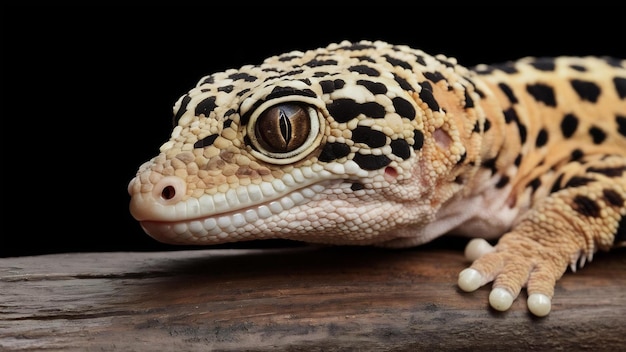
285 132
283 128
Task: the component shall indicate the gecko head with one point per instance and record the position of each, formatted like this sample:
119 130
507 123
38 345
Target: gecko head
320 146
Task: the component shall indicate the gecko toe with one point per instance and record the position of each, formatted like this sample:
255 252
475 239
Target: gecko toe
476 248
470 280
539 304
500 299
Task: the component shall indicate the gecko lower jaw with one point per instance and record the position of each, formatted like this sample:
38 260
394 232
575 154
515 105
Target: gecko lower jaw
237 225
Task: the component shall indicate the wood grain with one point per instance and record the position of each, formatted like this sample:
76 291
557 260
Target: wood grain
292 299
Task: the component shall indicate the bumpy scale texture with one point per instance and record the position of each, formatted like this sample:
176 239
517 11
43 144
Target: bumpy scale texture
369 143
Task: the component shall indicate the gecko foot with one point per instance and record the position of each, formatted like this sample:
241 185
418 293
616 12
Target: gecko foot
510 271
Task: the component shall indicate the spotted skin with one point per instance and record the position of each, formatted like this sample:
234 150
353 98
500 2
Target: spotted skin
369 143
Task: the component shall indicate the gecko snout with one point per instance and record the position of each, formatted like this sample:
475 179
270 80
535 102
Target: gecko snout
156 204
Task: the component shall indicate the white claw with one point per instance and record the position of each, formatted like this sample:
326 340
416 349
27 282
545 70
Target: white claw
469 280
476 248
539 304
500 299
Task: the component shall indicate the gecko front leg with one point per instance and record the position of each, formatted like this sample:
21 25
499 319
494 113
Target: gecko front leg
581 216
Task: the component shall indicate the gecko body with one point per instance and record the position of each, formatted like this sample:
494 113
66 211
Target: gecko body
369 143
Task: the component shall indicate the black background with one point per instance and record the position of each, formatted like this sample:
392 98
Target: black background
88 91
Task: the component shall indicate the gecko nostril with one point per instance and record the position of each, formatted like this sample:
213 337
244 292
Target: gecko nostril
168 192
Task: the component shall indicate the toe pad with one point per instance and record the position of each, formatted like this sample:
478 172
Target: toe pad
539 304
469 280
476 248
500 299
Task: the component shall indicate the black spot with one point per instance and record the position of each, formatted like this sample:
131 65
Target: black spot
427 96
597 135
358 46
230 112
469 102
507 67
621 125
434 76
344 110
227 123
522 132
288 58
613 197
397 62
365 70
339 83
357 186
543 64
420 60
371 162
490 164
317 63
327 87
578 181
586 90
510 115
508 92
403 108
403 83
534 184
476 128
206 106
578 68
504 180
242 92
181 110
569 124
487 125
418 136
373 110
227 89
330 86
334 151
210 79
542 138
401 148
608 171
206 141
542 93
373 138
576 154
365 58
320 74
279 92
586 206
374 87
242 75
557 184
620 86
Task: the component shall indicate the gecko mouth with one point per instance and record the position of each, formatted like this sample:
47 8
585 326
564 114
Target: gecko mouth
236 225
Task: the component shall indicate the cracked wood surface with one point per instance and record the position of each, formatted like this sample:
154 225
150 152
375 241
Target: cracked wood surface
303 298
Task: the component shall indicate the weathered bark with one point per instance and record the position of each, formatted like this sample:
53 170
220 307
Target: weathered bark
295 299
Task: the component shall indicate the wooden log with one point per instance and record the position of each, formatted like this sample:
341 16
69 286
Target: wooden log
295 299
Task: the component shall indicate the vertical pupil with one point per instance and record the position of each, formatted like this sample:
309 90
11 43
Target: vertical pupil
284 125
